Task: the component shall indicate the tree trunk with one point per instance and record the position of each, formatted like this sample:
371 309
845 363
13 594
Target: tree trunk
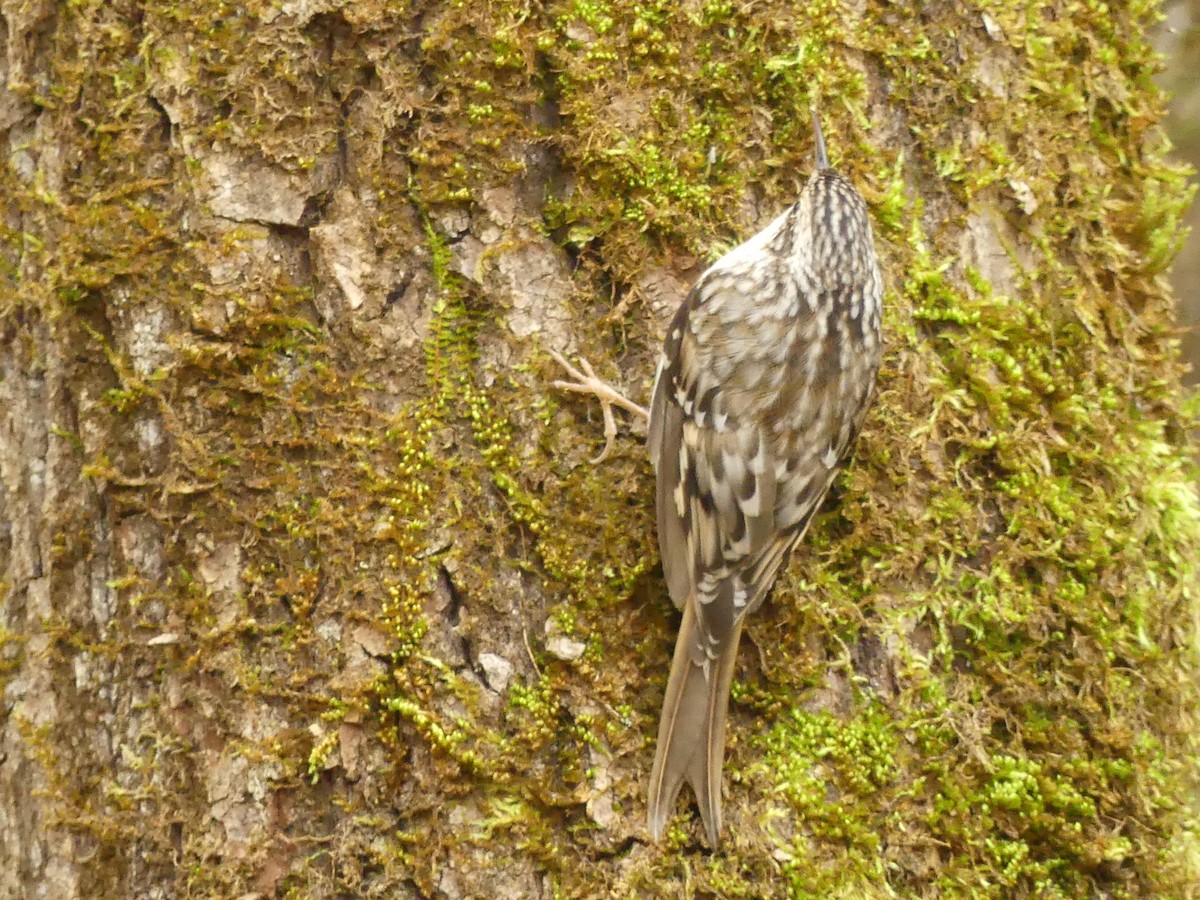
307 586
1177 37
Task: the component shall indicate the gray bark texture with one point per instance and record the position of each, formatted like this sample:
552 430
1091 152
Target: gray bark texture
1177 37
308 587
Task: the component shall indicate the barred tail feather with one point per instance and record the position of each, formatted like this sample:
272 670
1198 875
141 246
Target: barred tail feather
691 731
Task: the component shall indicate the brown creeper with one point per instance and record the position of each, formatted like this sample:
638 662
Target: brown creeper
763 383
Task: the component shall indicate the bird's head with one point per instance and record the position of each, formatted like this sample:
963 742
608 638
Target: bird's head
834 224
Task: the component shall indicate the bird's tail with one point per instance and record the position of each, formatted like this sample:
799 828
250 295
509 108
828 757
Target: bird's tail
691 732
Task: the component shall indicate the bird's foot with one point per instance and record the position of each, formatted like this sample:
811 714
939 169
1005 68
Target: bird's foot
586 382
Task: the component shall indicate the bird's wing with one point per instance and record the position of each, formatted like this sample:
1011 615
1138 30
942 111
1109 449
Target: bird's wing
734 495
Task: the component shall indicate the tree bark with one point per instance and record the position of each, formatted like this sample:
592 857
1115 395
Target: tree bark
307 586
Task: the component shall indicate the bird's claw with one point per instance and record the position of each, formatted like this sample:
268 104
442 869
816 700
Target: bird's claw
586 382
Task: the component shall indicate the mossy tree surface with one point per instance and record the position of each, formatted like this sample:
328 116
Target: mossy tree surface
308 587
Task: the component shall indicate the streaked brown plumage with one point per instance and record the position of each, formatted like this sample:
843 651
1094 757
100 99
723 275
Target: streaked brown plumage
763 383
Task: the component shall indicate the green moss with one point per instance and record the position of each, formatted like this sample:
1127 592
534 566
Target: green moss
831 776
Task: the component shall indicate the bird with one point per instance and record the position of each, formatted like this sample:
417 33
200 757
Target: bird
763 383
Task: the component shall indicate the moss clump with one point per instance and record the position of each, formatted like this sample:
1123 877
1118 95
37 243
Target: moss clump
837 780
